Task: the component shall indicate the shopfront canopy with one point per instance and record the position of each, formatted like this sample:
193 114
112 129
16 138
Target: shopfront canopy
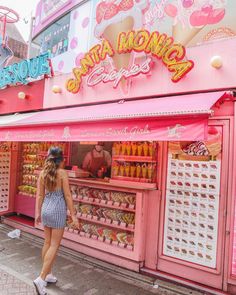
168 118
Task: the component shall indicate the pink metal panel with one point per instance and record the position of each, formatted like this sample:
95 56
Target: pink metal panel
25 205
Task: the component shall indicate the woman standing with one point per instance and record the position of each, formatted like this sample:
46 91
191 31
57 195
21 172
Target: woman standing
53 199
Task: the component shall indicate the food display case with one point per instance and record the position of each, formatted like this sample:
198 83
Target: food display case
5 162
109 217
32 158
134 162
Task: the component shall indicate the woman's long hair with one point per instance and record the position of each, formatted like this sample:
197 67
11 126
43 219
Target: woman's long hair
52 163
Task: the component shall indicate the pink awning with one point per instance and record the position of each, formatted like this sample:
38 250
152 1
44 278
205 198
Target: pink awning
167 118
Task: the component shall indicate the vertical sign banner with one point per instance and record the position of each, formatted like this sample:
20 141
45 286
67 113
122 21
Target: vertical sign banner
192 200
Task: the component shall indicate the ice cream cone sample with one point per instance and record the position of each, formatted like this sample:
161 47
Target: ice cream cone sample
144 171
140 150
122 170
151 149
150 171
123 148
115 170
134 149
145 149
117 147
128 149
138 171
127 170
132 171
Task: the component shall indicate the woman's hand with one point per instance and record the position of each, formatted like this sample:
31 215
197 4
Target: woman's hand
75 222
38 219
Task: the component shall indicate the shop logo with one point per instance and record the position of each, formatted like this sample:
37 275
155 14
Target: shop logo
25 70
154 45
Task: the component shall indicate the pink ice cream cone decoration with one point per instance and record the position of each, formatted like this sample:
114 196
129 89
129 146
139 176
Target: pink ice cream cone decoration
114 17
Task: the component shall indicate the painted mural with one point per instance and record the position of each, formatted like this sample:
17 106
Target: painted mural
189 22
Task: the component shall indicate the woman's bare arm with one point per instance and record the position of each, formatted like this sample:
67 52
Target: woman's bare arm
40 195
67 193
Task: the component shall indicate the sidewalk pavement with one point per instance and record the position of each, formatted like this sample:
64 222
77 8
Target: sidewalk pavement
20 262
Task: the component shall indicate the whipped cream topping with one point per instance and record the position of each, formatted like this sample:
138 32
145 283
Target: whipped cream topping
136 11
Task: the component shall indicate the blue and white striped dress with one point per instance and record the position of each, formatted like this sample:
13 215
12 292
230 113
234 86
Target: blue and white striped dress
54 209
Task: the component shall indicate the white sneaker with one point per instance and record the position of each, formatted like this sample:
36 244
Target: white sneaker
50 278
40 285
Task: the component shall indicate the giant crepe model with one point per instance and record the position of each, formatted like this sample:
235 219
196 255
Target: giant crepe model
114 17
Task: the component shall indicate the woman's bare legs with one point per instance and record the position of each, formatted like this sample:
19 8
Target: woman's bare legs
51 253
47 241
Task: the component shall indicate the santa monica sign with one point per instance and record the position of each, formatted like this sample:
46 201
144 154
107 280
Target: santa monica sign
154 44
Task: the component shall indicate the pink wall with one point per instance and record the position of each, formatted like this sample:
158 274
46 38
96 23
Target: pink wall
10 103
203 77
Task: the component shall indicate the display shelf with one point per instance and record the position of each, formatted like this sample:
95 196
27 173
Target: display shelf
27 195
44 154
111 184
102 246
5 163
143 185
103 241
33 157
106 237
134 162
101 204
140 159
106 224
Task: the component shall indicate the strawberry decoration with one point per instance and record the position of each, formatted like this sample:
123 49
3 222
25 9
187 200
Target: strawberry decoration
112 10
126 4
100 12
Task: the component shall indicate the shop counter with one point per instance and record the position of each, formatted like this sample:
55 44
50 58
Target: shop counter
111 217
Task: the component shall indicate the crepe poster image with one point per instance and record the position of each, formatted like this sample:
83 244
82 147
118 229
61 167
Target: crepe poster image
192 22
209 150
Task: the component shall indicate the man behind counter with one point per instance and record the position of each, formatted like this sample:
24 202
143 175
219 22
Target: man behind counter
98 161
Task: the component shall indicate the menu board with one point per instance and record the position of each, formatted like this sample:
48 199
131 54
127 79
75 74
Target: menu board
192 200
5 160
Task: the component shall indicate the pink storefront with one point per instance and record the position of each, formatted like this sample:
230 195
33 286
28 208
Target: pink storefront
164 108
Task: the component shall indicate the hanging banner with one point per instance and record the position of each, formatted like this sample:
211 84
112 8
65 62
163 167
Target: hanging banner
139 130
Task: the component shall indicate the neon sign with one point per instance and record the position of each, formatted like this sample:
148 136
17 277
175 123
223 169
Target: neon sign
26 69
154 44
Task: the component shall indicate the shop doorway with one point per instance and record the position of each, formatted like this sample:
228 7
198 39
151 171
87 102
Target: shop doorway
193 209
